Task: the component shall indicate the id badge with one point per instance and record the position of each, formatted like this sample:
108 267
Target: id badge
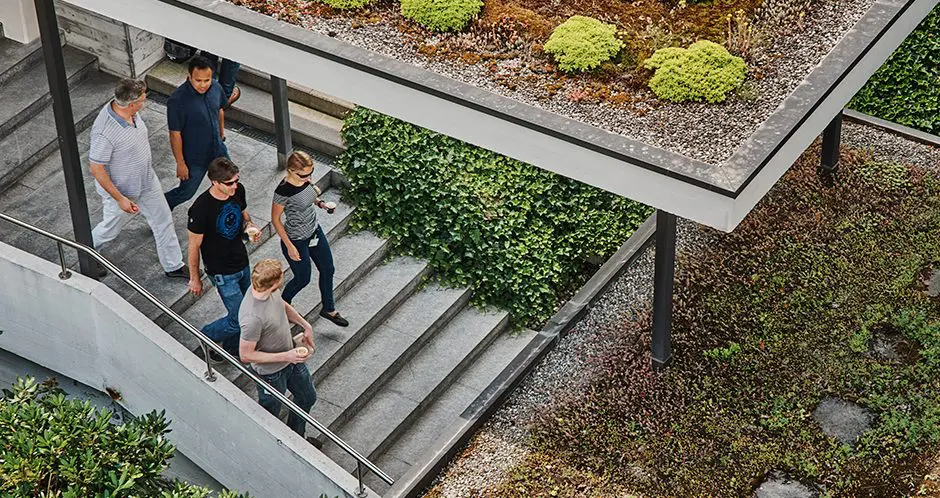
314 241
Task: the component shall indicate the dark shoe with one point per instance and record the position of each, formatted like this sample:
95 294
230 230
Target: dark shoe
236 94
315 442
181 272
335 318
213 356
102 271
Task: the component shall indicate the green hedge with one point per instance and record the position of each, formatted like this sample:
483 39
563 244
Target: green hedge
906 89
518 235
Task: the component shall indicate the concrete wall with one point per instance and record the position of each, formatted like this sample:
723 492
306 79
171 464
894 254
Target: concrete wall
19 20
83 330
122 50
13 366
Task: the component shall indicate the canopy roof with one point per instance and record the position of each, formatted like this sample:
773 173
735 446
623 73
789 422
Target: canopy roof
718 193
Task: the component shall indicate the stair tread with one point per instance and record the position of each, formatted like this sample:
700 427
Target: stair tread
360 306
31 85
419 379
373 358
297 93
15 56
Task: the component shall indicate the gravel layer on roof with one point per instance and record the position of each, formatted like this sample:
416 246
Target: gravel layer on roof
710 133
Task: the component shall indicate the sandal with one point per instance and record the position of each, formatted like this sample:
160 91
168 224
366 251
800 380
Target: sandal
236 94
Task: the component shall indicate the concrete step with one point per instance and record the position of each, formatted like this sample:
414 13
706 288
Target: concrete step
366 306
25 95
412 444
35 139
300 94
349 386
415 388
310 128
17 57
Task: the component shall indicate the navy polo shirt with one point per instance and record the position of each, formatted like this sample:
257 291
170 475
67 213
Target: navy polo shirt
196 117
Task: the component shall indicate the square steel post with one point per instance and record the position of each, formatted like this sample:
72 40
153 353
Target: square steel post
832 136
65 127
663 287
281 121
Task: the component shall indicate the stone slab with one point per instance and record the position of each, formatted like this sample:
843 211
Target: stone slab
17 57
486 367
842 420
779 485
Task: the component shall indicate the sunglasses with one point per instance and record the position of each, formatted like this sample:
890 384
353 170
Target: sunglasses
230 182
308 175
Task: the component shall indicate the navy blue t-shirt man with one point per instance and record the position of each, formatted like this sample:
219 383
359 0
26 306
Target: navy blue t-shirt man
196 121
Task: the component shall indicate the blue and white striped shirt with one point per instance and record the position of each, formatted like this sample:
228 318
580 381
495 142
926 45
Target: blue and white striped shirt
124 149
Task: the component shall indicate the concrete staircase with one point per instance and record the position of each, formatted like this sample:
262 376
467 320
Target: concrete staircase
415 354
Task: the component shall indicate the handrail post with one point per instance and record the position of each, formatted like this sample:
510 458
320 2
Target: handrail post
65 274
210 374
361 491
281 120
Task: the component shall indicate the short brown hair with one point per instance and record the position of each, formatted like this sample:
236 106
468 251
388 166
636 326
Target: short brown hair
266 273
222 169
299 160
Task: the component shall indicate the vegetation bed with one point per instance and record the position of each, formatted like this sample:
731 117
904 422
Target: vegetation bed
797 305
503 50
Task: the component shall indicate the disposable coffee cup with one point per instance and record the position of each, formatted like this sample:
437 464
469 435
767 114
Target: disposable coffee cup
330 206
303 351
253 233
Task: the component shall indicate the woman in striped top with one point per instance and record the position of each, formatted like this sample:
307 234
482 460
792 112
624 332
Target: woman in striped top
302 238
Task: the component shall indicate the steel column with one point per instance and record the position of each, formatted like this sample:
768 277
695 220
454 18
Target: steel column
281 120
65 126
830 143
663 287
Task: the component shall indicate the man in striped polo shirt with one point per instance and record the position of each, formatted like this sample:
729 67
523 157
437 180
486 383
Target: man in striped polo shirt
121 163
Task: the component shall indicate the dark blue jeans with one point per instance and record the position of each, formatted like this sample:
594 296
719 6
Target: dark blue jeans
224 70
232 289
296 379
323 258
187 188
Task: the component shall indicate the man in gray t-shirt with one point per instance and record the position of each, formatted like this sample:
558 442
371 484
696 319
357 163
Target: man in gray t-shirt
267 344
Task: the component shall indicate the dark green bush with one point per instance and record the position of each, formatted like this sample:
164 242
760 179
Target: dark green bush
518 235
906 89
53 446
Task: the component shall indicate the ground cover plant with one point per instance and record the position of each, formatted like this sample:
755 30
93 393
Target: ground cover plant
53 446
524 239
703 72
906 89
818 293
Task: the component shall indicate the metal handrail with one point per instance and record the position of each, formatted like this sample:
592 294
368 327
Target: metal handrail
205 341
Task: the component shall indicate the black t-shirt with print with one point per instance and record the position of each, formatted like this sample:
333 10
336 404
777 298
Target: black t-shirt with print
220 223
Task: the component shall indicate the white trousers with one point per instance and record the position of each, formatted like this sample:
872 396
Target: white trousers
153 206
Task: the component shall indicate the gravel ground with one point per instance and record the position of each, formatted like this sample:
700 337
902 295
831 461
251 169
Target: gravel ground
502 442
709 133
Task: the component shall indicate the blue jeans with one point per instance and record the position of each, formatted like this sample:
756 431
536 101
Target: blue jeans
296 379
187 188
232 289
224 70
322 257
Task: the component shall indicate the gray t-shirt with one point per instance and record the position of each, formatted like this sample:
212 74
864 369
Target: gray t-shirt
300 216
265 322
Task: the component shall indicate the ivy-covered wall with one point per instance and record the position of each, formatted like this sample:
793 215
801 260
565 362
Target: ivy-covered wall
519 236
906 89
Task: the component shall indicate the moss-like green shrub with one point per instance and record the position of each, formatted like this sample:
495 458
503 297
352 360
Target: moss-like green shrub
347 4
582 43
521 237
441 15
704 72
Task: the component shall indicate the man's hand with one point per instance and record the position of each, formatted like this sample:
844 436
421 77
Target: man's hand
308 338
293 253
294 357
127 205
182 171
195 286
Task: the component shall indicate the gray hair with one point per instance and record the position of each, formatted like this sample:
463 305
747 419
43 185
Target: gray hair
128 90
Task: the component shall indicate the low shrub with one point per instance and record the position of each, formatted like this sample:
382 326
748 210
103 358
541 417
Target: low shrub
521 237
54 446
441 15
906 89
582 43
347 4
704 72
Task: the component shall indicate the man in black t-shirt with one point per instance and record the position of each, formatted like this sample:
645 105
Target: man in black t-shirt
216 221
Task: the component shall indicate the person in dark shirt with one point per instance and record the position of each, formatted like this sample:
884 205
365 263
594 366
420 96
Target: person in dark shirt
216 221
196 120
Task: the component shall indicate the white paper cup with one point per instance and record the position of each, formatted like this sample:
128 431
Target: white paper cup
303 351
253 233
